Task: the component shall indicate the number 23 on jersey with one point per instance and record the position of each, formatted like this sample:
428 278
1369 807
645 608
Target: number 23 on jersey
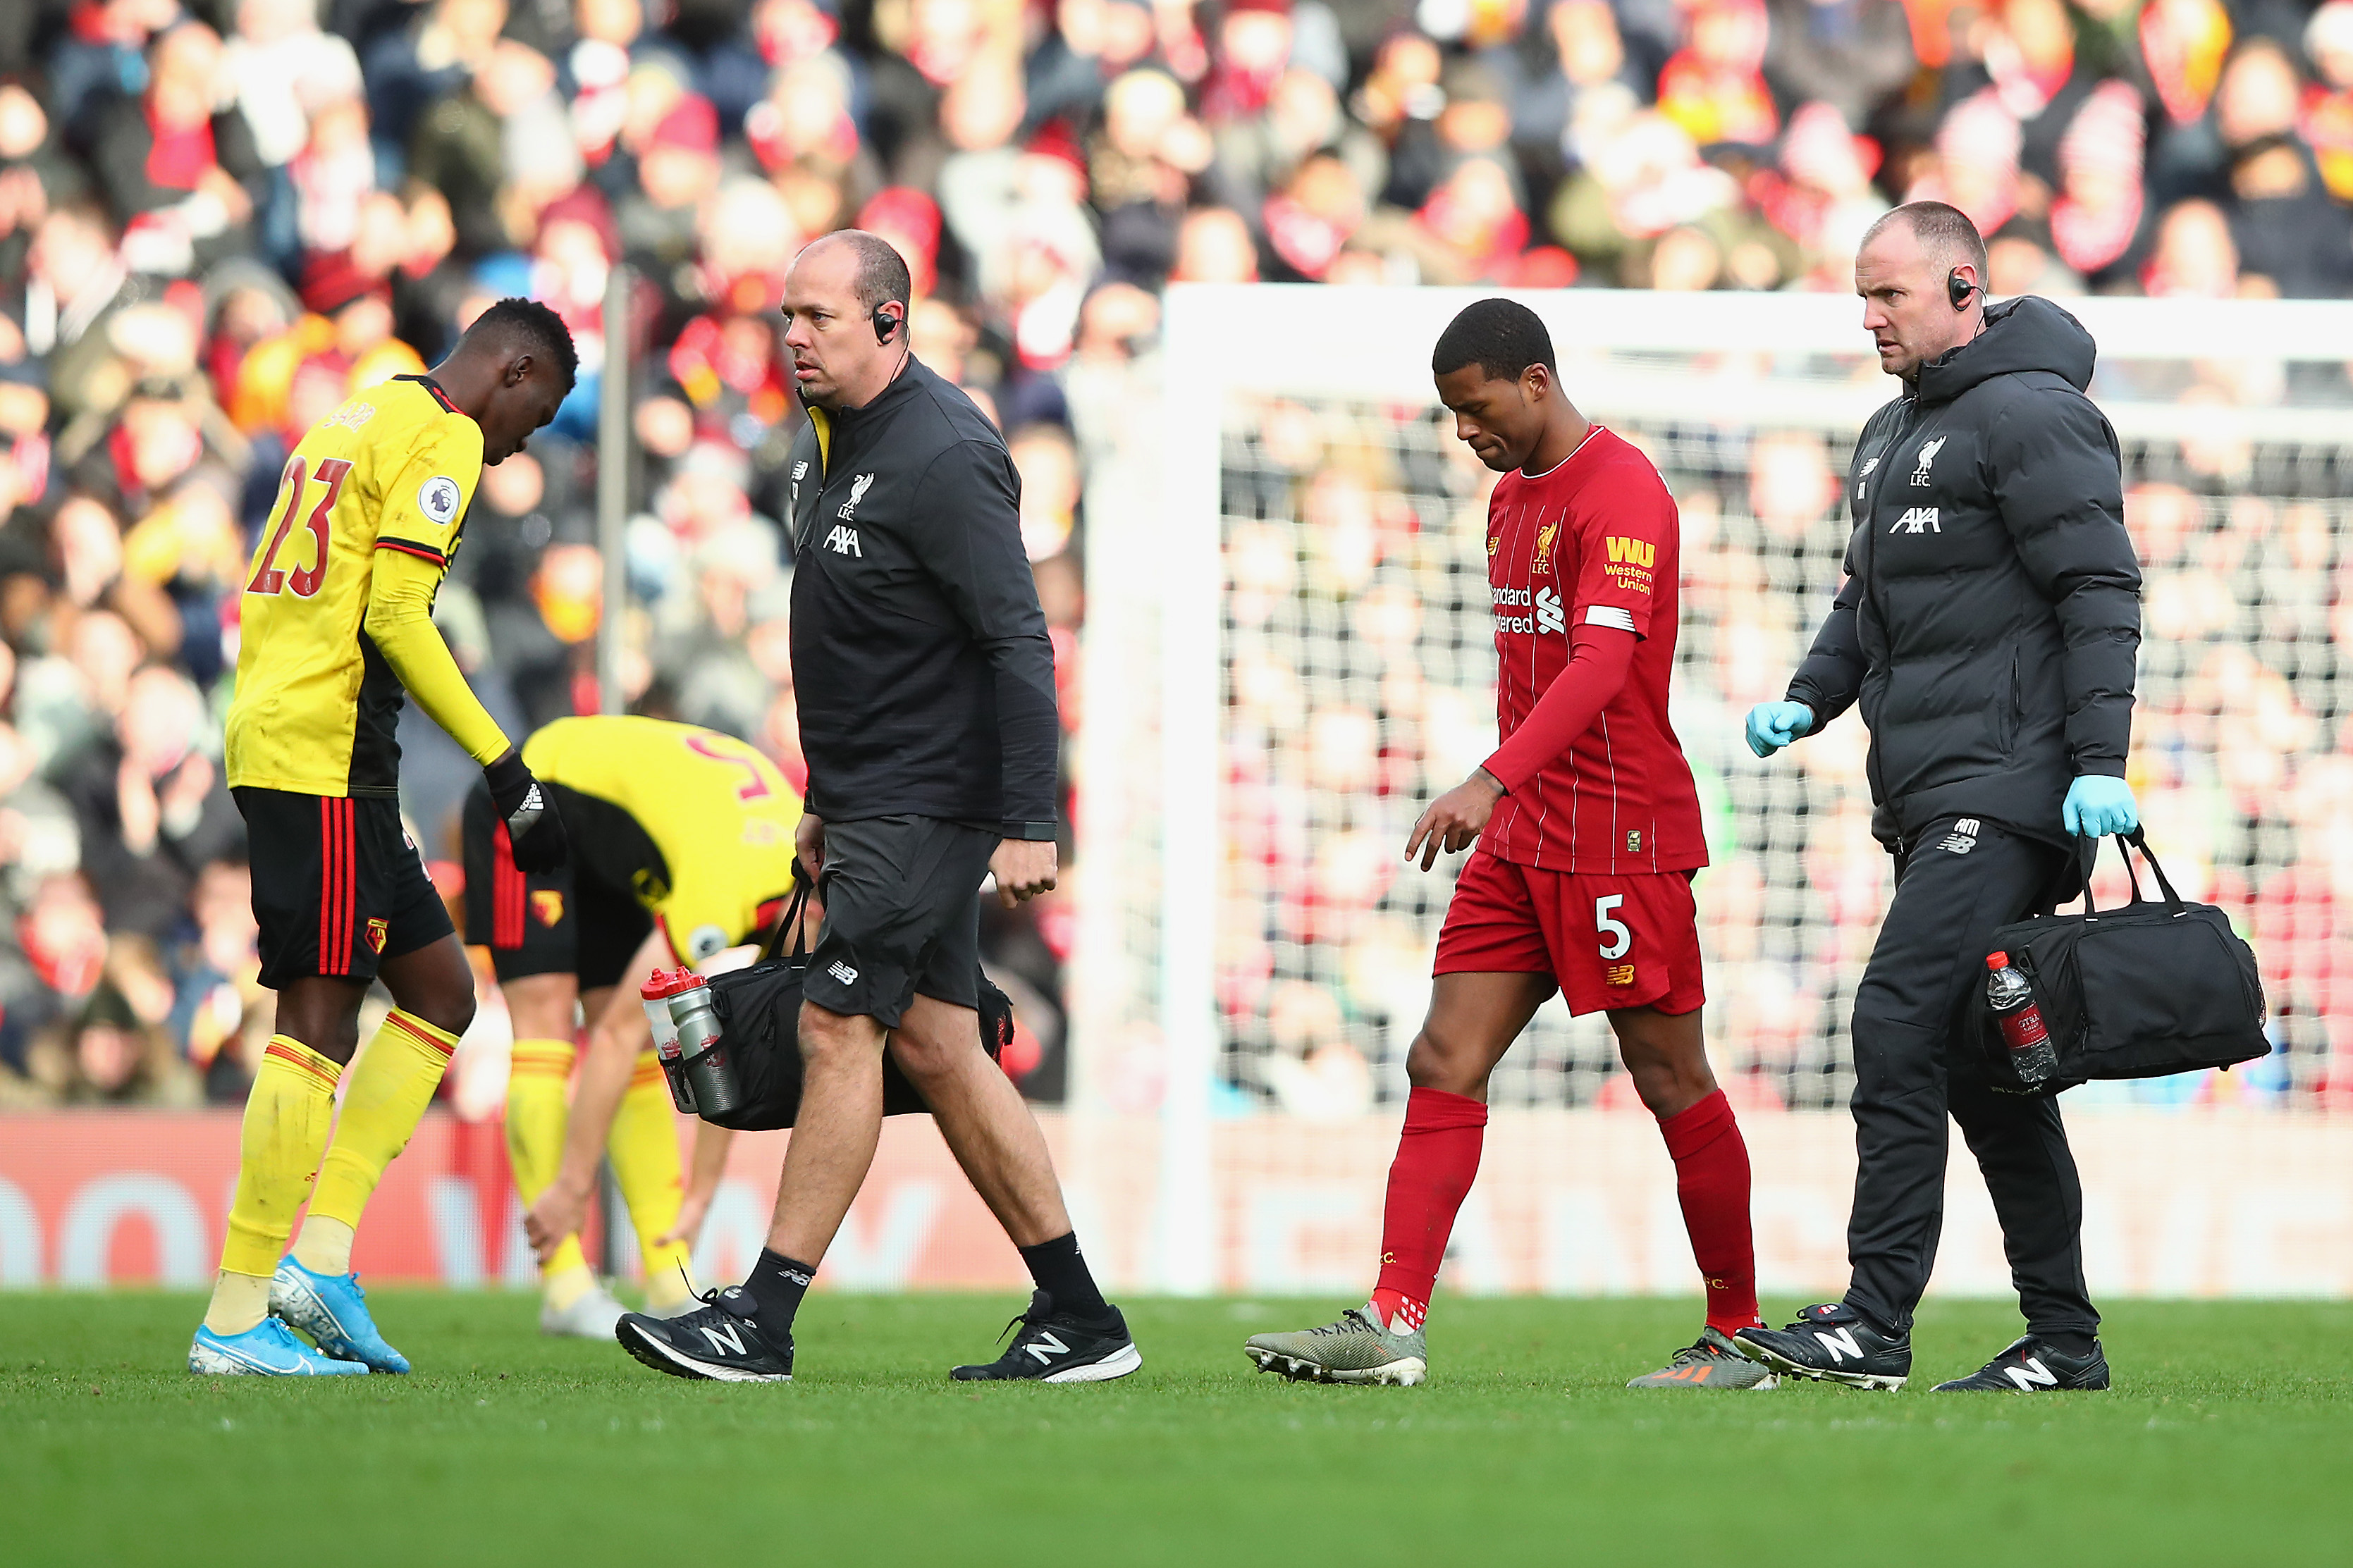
269 575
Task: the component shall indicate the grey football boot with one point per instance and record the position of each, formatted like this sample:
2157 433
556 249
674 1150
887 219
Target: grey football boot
1713 1361
1357 1348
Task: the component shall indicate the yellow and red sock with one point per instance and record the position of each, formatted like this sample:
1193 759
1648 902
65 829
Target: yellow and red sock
1711 1184
539 1078
392 1081
1437 1161
643 1146
288 1114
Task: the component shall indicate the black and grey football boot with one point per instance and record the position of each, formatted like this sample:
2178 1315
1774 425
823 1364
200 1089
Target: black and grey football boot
721 1341
1832 1343
1060 1347
2033 1365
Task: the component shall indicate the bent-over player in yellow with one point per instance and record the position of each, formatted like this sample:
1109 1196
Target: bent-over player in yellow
683 847
335 625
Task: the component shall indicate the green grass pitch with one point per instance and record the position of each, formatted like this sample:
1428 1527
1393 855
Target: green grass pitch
2229 1440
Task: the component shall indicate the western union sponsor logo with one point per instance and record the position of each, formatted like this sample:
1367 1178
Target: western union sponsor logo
1633 552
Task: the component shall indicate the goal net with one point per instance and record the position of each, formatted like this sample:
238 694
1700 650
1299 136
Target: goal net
1290 654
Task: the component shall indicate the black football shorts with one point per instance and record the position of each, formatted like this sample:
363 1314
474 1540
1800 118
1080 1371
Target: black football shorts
902 898
338 885
576 920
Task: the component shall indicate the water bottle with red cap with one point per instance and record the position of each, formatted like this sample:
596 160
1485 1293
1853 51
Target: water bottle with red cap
2011 996
710 1067
654 996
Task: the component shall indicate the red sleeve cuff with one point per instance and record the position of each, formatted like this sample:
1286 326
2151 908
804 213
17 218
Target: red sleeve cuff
411 547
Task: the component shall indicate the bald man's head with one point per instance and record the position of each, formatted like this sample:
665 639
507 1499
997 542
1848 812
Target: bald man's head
846 318
883 277
1907 270
1946 236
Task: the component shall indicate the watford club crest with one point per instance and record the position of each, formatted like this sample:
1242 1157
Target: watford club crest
376 931
547 906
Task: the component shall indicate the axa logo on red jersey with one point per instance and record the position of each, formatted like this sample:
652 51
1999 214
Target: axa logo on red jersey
1550 615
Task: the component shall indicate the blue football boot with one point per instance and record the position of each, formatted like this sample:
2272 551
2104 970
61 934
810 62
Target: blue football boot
268 1349
333 1310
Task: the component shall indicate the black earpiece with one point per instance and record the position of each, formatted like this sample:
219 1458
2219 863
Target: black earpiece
1959 289
884 325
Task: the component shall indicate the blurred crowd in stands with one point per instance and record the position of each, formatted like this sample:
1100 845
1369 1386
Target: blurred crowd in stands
220 218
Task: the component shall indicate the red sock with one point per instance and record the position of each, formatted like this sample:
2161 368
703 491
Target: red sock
1712 1181
1437 1159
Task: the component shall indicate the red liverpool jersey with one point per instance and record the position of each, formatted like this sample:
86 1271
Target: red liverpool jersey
1594 541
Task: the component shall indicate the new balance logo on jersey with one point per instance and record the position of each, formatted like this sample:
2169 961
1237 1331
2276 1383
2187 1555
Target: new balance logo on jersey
1046 1347
843 540
1840 1345
843 973
1962 838
858 489
723 1338
2031 1374
1861 474
1927 454
1918 520
1550 615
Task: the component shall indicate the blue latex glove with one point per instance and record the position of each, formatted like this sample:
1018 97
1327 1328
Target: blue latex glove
1773 725
2099 804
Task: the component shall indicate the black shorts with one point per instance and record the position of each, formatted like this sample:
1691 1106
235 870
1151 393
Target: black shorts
338 885
576 920
902 898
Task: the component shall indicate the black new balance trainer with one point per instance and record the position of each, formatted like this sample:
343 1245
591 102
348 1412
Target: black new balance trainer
720 1341
1833 1343
2034 1365
1060 1347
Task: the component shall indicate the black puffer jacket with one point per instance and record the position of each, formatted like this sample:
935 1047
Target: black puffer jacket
1990 619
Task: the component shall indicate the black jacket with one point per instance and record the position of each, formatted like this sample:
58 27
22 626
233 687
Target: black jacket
1990 618
921 665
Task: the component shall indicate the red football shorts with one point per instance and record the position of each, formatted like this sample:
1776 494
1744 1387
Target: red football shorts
1608 942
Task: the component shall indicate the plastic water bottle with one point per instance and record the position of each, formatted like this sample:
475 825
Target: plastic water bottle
654 996
2011 997
703 1049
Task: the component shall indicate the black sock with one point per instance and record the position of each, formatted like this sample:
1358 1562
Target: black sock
2076 1344
777 1284
1062 1274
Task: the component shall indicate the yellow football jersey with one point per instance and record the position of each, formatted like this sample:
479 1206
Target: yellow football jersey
717 813
317 700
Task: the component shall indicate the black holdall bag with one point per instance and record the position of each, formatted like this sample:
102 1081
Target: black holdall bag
759 1011
2154 987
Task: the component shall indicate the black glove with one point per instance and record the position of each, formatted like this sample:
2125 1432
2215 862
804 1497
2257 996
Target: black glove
534 826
